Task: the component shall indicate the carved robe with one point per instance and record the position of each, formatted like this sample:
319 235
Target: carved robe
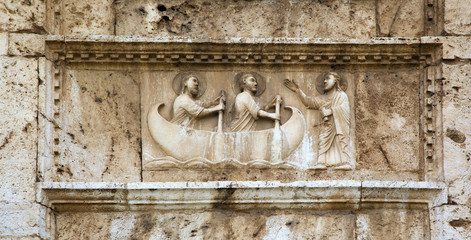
185 111
246 112
334 130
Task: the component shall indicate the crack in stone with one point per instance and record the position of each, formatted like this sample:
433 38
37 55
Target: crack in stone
385 156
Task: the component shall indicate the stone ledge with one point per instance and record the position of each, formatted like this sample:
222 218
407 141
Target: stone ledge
285 51
231 40
315 195
453 47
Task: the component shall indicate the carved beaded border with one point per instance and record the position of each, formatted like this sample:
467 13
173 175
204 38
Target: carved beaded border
266 58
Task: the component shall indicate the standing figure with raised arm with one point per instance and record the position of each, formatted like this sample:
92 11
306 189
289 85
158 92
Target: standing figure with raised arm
185 107
335 124
246 105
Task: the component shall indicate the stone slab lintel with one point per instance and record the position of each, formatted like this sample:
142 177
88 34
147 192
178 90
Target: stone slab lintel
315 195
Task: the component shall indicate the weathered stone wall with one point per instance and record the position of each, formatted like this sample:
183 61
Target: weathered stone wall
453 220
24 26
22 49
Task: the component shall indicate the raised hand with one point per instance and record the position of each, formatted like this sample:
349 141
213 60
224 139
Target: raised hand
291 84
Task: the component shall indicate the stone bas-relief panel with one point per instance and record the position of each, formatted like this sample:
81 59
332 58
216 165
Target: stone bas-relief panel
227 224
380 108
243 132
218 117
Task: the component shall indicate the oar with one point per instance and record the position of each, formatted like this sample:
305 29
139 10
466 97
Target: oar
276 143
220 117
277 111
219 143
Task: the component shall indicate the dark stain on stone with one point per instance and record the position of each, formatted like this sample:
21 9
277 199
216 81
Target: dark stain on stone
223 198
455 135
460 223
142 11
450 201
26 128
6 140
144 225
61 169
98 100
71 135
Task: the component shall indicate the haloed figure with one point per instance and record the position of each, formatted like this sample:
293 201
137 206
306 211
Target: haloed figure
185 107
246 106
335 126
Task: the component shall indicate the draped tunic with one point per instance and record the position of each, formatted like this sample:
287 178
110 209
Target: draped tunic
185 111
246 112
334 130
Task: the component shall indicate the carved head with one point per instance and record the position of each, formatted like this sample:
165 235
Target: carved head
331 80
190 84
249 83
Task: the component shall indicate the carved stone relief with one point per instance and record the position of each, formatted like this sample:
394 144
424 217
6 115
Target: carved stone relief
240 144
227 112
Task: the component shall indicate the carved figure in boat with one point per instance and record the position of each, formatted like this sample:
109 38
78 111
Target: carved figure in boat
268 146
185 107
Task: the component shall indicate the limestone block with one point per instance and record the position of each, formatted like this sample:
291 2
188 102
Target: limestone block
457 17
386 115
22 220
88 17
450 222
100 127
218 224
400 18
25 16
456 122
3 43
456 47
333 19
18 134
26 44
392 224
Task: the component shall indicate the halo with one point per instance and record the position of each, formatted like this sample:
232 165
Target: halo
320 82
261 83
177 83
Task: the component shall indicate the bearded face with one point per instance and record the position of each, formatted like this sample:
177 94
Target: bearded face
192 85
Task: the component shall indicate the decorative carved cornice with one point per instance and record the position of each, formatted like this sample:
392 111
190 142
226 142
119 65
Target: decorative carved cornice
237 51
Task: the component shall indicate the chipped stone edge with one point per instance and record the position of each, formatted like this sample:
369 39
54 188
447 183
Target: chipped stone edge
238 195
140 39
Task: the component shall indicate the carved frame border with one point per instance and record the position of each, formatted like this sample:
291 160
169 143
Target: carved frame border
65 51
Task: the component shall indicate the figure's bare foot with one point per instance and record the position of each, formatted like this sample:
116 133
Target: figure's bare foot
345 166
